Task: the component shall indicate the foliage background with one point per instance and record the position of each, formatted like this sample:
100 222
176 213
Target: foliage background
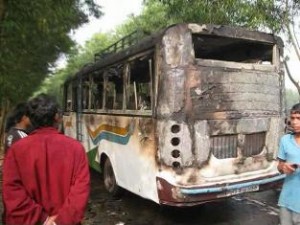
34 33
274 16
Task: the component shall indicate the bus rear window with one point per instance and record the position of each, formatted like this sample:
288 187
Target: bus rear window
232 49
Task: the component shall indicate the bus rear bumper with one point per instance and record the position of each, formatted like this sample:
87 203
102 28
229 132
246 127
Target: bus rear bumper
183 196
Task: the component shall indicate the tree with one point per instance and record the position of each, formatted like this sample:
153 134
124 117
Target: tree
289 23
33 33
79 56
292 98
76 59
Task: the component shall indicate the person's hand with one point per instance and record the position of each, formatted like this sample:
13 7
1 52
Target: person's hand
50 220
288 168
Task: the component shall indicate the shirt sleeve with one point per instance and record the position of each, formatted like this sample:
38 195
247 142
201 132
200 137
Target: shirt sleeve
73 209
13 137
19 207
282 152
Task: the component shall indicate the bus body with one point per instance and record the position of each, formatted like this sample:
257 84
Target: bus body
188 115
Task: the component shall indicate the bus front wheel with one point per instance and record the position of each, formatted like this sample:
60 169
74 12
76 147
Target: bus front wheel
110 182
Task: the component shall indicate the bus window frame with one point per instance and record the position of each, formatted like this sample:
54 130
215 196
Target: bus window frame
126 75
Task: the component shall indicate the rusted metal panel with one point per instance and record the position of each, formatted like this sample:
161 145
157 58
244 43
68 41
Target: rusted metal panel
222 90
175 140
227 76
172 98
232 105
172 195
274 133
234 88
243 97
235 126
177 52
224 146
236 65
236 32
253 144
202 143
178 49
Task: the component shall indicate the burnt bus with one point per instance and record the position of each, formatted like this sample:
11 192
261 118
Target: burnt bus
190 114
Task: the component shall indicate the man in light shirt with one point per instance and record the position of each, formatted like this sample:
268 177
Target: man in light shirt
289 163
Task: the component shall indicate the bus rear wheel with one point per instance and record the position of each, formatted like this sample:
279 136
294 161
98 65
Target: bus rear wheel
110 182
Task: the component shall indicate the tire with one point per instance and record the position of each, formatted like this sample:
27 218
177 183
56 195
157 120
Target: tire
110 182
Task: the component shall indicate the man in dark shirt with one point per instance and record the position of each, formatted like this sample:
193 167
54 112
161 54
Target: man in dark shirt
45 175
16 125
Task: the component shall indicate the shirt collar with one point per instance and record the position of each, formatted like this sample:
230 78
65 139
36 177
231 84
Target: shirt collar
45 130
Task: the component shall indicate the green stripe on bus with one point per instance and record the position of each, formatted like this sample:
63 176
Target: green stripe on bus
91 154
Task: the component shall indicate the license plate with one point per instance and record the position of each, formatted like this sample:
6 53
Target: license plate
239 191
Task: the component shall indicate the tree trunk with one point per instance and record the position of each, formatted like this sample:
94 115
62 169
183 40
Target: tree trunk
294 41
291 78
1 10
297 50
4 108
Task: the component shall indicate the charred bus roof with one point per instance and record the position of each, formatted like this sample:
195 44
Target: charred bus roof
138 42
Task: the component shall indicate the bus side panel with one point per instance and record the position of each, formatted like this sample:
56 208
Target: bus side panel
129 143
69 124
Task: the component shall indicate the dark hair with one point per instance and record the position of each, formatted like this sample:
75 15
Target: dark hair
295 109
42 110
15 115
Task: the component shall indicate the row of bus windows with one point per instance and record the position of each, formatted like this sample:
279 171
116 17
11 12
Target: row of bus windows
122 86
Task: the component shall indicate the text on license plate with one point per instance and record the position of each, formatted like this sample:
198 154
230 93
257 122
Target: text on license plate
239 191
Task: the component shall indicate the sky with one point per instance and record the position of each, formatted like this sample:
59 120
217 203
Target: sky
115 12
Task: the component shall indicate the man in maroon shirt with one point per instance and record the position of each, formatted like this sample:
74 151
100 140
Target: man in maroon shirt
45 175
